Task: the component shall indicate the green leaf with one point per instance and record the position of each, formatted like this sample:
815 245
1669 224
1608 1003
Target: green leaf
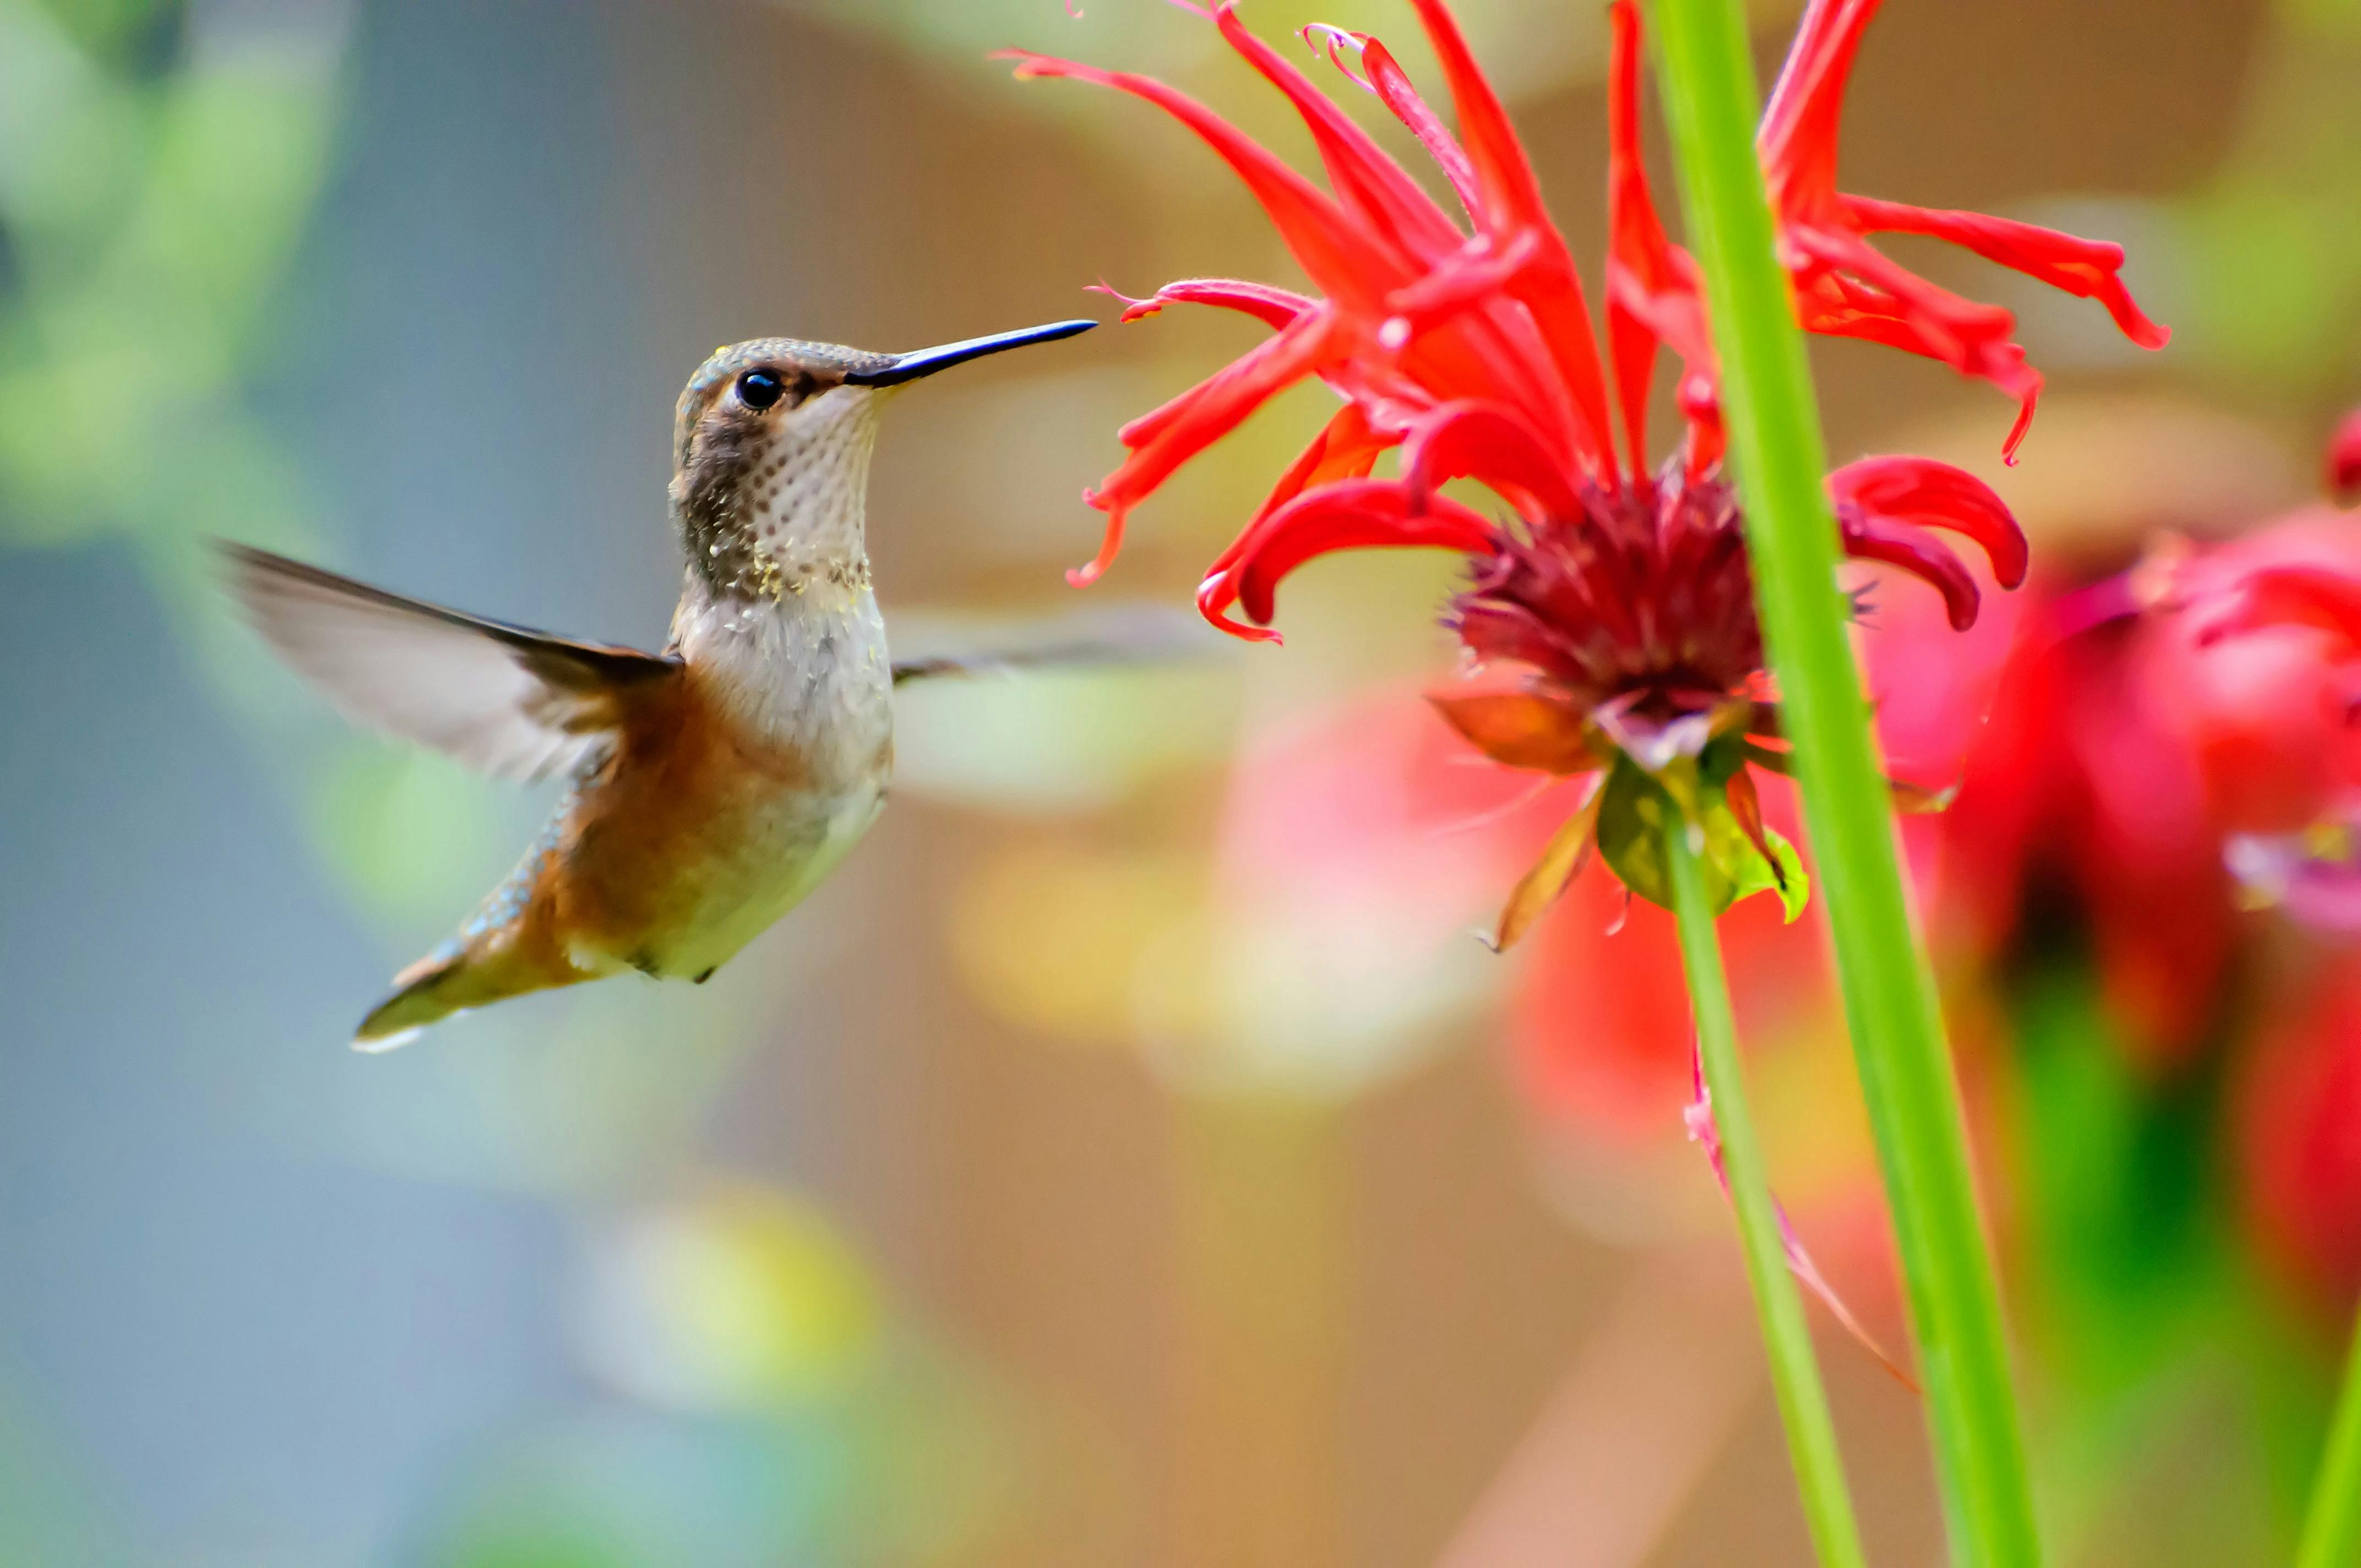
1749 873
1631 814
1634 806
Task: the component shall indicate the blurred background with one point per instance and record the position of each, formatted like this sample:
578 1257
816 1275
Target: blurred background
1128 1157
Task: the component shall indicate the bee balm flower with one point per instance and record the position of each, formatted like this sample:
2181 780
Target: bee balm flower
1612 606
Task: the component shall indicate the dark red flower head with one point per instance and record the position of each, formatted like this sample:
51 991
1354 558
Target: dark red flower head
1620 590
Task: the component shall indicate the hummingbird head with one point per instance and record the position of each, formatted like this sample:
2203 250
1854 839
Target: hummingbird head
771 456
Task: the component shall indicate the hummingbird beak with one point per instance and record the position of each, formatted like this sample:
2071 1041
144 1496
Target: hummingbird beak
927 361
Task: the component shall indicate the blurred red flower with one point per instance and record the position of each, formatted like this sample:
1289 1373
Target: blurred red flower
2299 1136
2258 657
2344 458
2164 745
2083 803
1614 605
2251 653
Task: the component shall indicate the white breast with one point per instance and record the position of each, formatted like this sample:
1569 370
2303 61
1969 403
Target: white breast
809 672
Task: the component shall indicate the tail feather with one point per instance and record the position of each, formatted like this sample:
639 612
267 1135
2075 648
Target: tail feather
448 981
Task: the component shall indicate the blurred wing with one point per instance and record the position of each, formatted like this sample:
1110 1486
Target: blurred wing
507 701
1137 635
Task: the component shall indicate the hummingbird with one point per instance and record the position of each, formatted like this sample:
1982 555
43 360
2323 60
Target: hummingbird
712 785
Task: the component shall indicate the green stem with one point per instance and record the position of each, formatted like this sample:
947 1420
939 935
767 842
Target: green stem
1795 1375
2331 1526
1889 992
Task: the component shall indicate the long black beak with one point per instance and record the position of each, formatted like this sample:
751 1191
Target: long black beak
927 361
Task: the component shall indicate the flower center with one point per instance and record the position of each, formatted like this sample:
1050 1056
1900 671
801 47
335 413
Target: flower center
1643 599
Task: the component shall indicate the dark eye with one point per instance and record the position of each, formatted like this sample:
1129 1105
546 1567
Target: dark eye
760 388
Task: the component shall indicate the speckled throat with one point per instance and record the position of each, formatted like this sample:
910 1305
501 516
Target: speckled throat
767 508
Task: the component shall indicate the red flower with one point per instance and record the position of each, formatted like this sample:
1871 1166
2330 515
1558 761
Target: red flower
2298 1134
2258 658
1618 601
2255 655
2344 458
2082 813
2160 738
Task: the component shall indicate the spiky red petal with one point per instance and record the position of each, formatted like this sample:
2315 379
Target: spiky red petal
1350 514
1936 495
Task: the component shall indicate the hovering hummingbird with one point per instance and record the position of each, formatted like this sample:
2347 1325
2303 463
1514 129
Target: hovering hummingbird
713 784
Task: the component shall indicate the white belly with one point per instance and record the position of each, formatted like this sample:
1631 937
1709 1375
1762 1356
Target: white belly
787 852
813 673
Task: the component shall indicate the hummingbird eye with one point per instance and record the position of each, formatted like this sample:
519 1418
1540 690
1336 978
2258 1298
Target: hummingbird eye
761 389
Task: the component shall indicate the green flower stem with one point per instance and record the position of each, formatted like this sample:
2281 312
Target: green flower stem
2331 1526
1795 1375
1889 992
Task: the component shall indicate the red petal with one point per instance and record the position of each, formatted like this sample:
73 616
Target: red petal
1847 289
1351 515
2087 269
1363 176
1551 290
1348 263
1392 87
1214 597
1797 140
1953 328
1936 495
1572 363
1642 263
2295 595
1355 264
2027 392
1345 448
1486 442
1473 274
1511 199
1200 417
1266 368
1872 538
1820 235
1704 1131
1266 303
1495 353
1510 196
1137 432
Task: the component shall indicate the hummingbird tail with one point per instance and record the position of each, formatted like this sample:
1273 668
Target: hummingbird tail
420 996
448 981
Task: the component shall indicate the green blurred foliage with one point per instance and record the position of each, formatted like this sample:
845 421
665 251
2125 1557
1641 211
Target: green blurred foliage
921 1463
2270 257
151 209
159 165
2180 1396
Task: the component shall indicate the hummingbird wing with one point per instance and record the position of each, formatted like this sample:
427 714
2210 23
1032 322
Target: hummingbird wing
1126 634
504 700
